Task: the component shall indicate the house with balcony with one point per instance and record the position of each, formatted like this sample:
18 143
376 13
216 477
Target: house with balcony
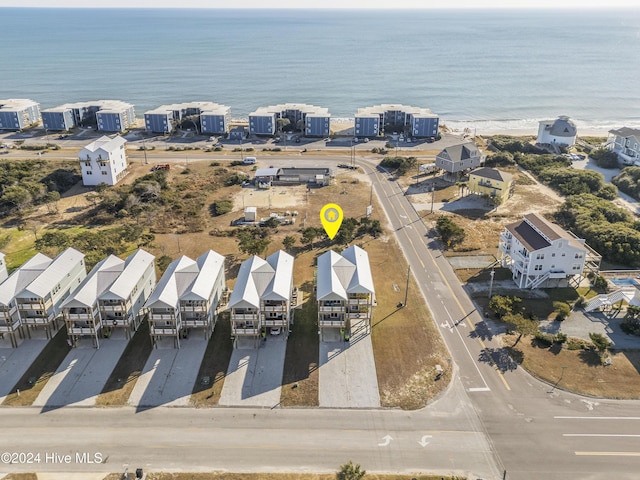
80 309
186 297
105 115
491 182
345 292
104 161
199 303
10 324
459 158
625 142
39 302
411 121
261 297
312 120
540 254
121 303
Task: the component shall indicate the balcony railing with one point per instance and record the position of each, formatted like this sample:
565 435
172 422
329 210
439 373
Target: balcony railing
196 322
163 331
42 320
162 316
360 301
244 316
193 308
82 331
113 308
323 309
331 323
11 327
274 322
244 331
84 317
275 308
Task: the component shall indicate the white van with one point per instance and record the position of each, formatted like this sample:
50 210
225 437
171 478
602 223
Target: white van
249 160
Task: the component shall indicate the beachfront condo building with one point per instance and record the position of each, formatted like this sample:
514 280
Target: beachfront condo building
626 143
39 302
402 119
18 114
103 161
204 117
561 132
313 121
261 298
9 319
540 254
187 297
345 294
105 115
110 297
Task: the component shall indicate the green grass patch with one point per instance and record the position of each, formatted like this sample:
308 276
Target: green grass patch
214 365
40 371
120 384
300 377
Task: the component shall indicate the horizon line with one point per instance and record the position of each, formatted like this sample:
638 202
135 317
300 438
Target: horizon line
382 8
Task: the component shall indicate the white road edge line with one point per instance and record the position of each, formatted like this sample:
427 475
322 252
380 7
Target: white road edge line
599 435
561 417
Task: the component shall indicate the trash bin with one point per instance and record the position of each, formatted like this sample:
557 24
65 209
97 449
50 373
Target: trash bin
139 473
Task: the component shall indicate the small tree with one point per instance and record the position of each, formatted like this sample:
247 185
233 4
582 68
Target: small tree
601 343
523 326
349 471
563 310
503 305
288 242
450 233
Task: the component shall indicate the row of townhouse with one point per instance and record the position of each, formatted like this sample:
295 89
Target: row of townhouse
116 294
387 118
206 117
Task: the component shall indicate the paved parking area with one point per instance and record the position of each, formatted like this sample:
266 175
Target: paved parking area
254 377
348 372
170 373
14 362
81 376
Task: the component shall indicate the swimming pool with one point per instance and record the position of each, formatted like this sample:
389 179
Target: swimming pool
623 281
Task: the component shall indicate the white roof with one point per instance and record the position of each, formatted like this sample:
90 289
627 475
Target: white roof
266 172
280 286
206 108
23 276
16 104
99 279
209 264
339 275
134 267
57 270
106 143
387 107
176 279
263 280
246 292
281 107
104 106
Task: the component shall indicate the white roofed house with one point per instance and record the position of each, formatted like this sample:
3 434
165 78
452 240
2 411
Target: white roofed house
3 268
199 303
459 158
39 301
540 254
345 291
9 319
121 304
103 161
163 306
80 309
261 297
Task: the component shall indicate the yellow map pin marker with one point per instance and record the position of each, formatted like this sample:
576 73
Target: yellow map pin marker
331 217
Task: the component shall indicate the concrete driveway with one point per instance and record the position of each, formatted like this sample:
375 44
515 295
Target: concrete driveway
81 376
254 377
14 362
348 373
169 375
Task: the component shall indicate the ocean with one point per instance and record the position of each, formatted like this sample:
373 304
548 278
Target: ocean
494 70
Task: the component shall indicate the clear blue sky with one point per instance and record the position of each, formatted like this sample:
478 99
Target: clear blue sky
577 4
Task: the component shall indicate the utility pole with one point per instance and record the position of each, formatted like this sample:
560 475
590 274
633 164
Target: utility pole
406 290
144 149
491 274
433 194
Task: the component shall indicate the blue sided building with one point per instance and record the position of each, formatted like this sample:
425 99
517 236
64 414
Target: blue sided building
398 119
18 113
310 120
58 119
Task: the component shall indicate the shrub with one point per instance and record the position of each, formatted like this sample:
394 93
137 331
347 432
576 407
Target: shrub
214 164
450 233
560 338
604 158
503 305
544 339
220 207
563 310
630 326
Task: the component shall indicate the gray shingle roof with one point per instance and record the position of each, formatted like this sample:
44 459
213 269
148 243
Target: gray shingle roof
492 174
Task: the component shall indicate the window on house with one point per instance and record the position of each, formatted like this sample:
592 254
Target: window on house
89 172
538 268
540 256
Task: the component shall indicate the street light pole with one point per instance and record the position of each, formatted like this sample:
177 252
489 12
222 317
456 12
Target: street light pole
491 274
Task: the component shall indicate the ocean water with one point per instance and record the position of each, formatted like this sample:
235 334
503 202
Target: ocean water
492 70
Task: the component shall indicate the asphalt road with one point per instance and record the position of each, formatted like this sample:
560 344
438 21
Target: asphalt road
493 418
